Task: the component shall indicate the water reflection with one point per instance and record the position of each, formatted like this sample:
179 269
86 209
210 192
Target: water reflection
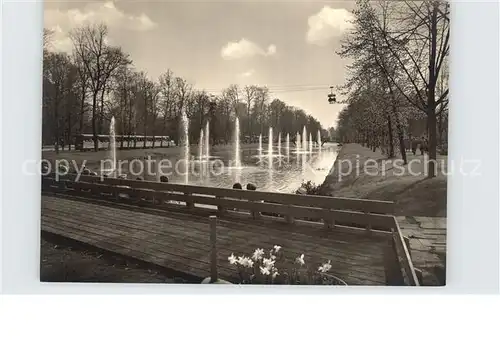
269 171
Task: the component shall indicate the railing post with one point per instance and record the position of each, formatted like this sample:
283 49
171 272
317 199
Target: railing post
213 247
329 221
369 226
189 204
62 184
256 213
221 209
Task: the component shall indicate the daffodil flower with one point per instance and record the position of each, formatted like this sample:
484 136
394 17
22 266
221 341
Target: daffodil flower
258 254
268 262
245 261
265 270
300 260
276 248
325 267
275 273
232 259
249 263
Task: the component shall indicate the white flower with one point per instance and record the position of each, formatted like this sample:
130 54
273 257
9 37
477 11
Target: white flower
265 270
232 259
300 260
258 254
276 248
325 267
275 273
249 263
272 257
245 261
268 262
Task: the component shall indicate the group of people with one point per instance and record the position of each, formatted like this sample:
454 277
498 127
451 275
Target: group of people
419 144
250 186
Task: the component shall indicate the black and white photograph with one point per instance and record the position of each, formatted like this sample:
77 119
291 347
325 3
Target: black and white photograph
247 143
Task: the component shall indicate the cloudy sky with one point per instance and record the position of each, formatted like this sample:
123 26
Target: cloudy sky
288 46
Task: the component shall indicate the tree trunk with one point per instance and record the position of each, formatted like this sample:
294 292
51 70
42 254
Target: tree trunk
69 130
101 113
440 129
123 103
145 122
82 107
391 139
94 125
56 117
402 148
431 96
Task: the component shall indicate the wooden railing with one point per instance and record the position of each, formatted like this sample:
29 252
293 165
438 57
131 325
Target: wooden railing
350 215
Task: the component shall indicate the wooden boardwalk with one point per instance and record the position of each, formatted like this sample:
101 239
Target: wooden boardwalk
427 238
181 241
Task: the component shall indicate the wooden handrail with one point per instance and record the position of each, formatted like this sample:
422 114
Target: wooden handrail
365 220
403 251
327 202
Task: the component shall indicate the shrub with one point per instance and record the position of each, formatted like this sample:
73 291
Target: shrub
276 269
311 188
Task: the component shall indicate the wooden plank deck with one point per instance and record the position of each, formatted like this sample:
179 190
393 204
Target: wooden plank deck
427 238
181 242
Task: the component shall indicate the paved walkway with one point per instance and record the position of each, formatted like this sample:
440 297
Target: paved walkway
427 246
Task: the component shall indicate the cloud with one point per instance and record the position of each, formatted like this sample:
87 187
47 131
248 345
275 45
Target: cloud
247 74
328 23
62 22
271 49
245 49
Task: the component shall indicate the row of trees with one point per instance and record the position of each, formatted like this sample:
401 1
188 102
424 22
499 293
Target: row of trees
398 76
83 90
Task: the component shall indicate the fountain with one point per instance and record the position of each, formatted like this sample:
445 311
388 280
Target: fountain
318 138
304 139
303 163
207 141
287 144
270 147
279 144
237 159
310 143
260 145
297 142
185 127
112 144
279 149
200 146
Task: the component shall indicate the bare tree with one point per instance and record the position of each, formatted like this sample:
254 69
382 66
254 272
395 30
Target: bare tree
182 90
250 92
166 85
260 107
419 43
57 71
99 61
